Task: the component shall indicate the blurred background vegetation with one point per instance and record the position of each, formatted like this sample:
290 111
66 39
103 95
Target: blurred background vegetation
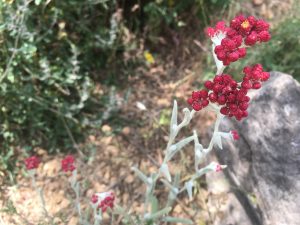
63 61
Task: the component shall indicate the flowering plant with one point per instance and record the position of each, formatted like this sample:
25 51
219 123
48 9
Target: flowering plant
223 95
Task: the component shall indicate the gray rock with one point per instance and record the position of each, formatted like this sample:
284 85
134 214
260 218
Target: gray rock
265 162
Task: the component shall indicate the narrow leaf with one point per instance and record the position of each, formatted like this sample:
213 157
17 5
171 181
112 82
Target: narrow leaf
142 176
159 213
173 123
164 169
178 146
177 220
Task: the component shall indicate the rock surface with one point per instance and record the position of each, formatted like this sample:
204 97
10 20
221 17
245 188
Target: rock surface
264 165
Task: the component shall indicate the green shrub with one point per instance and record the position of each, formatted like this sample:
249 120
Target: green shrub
54 52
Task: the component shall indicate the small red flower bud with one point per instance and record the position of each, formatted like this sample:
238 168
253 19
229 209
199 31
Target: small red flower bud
256 75
231 98
197 106
256 85
264 36
246 84
32 162
233 56
208 84
67 164
233 107
235 135
258 67
251 39
245 113
226 62
246 99
190 101
213 97
231 33
203 94
210 31
218 79
252 20
242 52
265 76
247 69
224 42
218 48
261 25
196 95
218 168
243 106
224 110
226 90
233 84
231 45
222 99
205 103
217 87
221 55
104 200
238 39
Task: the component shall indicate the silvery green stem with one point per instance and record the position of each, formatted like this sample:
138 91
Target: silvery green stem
40 193
97 213
219 64
216 129
158 214
76 188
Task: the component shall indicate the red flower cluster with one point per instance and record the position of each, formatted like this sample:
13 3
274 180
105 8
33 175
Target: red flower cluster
32 162
106 200
252 29
67 164
199 99
235 135
229 50
218 168
242 30
225 91
254 76
220 27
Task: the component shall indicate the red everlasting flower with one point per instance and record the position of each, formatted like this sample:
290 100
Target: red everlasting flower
229 43
229 50
32 162
247 30
199 99
219 28
251 28
67 164
218 168
224 91
254 76
104 200
235 135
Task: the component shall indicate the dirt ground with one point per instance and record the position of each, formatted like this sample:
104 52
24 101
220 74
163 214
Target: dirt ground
140 141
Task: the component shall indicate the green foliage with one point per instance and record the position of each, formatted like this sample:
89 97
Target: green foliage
49 50
53 54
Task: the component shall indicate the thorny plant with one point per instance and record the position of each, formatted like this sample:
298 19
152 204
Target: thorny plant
222 95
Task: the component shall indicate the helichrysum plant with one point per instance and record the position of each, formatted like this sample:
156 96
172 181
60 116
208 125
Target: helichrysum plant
223 95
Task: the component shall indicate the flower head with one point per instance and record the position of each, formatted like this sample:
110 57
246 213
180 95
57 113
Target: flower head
217 33
234 134
229 41
103 200
224 91
32 162
67 164
214 166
